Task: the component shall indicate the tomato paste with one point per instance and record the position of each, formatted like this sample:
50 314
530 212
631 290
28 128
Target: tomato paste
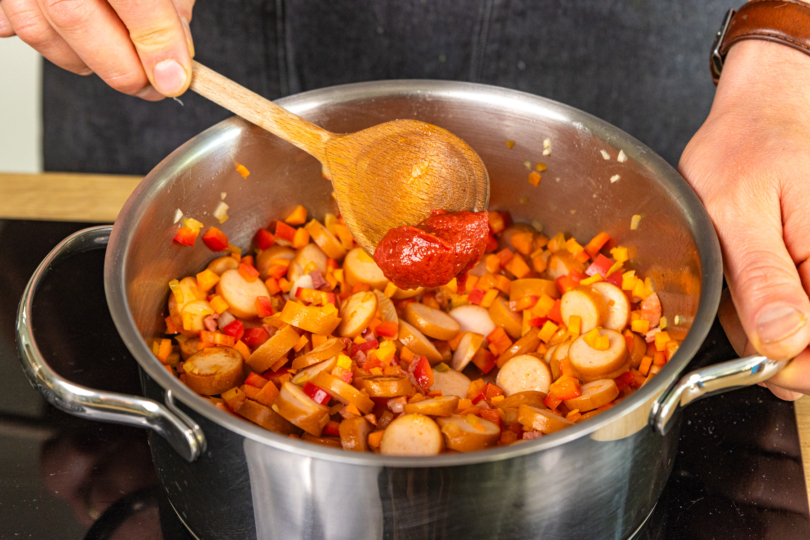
435 251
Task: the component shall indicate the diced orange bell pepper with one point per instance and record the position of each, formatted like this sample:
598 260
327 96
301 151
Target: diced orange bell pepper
242 170
523 242
206 280
298 216
597 242
248 273
186 236
301 238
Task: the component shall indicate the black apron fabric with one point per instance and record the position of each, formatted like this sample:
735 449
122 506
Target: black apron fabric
639 64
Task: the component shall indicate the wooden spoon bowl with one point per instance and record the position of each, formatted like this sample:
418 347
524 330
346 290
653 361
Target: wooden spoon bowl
386 176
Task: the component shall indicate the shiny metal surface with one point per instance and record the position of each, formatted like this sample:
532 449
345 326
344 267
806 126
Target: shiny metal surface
599 479
717 59
711 381
181 432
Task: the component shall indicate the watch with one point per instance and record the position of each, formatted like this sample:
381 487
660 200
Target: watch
781 21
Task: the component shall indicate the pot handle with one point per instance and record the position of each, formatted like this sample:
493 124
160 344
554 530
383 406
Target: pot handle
168 421
710 381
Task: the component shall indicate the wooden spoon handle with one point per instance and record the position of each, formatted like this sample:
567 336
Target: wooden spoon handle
260 111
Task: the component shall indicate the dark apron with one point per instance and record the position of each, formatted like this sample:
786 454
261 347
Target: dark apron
639 64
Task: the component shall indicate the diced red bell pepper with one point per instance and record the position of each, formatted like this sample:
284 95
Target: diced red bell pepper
423 373
367 346
624 380
615 278
186 236
477 399
484 360
254 337
387 329
331 429
248 272
264 239
555 314
565 284
256 380
600 266
476 296
263 306
235 329
317 393
492 415
284 231
215 239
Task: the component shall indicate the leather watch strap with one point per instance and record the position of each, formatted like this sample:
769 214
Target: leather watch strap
781 21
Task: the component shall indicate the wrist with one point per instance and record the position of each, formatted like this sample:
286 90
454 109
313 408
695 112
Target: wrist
764 74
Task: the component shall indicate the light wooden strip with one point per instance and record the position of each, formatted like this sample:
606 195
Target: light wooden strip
64 197
803 423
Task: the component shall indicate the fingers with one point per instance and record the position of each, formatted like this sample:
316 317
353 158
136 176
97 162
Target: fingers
93 30
6 30
29 23
184 9
763 279
159 37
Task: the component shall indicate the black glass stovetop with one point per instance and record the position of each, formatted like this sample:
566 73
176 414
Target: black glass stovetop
738 474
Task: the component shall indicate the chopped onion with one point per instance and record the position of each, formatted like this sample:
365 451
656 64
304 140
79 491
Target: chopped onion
605 155
221 213
178 215
622 157
225 318
614 178
304 281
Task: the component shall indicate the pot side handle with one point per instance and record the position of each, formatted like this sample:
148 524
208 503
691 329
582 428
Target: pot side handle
168 421
710 381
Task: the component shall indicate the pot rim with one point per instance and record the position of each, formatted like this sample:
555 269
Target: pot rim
701 226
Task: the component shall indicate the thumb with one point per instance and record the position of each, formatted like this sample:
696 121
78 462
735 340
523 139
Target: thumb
765 286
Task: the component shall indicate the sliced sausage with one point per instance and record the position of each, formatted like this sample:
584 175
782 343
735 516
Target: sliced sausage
265 417
328 349
359 267
524 345
193 315
472 318
412 435
188 347
310 253
638 350
586 303
438 406
222 264
541 419
432 322
263 261
402 294
309 373
356 313
594 395
450 383
343 392
417 343
530 397
300 409
354 434
386 386
462 436
532 287
332 442
239 294
269 353
522 373
618 307
386 308
310 318
501 315
467 347
560 352
591 365
214 370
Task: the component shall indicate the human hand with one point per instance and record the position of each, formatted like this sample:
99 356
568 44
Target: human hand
748 164
138 47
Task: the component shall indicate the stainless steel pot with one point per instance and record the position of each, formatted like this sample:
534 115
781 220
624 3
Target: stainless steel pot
228 478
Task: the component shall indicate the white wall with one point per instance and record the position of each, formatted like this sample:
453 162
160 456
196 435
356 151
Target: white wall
20 107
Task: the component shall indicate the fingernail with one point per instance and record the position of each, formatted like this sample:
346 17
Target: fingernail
779 322
170 77
190 41
150 94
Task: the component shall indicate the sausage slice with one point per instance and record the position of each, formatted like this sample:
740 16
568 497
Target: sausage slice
524 372
214 370
300 409
412 435
354 434
591 365
586 303
438 406
462 436
450 383
594 395
618 307
356 313
240 295
432 322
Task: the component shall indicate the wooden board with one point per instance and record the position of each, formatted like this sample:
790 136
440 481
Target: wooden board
99 198
64 197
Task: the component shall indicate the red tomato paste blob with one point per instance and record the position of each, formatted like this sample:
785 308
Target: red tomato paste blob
432 253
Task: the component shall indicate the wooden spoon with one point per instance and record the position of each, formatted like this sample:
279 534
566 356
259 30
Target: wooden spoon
385 176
